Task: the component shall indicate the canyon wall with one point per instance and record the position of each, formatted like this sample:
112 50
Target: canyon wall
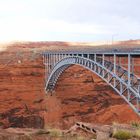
79 95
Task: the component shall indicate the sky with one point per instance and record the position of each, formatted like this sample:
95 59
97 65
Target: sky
69 20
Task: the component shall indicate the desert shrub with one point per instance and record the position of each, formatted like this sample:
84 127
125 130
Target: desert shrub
135 124
74 138
41 132
122 135
55 133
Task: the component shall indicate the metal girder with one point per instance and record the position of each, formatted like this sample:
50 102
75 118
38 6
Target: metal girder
111 72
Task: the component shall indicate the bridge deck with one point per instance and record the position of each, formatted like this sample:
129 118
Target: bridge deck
95 51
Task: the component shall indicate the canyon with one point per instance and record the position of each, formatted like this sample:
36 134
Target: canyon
79 94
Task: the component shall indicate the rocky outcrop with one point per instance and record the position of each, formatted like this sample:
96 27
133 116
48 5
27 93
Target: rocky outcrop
31 121
103 132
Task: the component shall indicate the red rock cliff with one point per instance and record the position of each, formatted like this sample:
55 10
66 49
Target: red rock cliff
79 95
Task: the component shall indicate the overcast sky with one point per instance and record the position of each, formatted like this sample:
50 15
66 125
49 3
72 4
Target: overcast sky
69 20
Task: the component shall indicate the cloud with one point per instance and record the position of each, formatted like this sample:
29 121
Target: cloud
32 29
74 20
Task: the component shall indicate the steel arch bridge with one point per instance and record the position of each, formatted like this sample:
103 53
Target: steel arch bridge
117 69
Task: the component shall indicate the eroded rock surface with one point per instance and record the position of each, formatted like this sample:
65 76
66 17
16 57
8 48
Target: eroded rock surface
79 95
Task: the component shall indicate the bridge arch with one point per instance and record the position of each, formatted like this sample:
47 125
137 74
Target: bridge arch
118 80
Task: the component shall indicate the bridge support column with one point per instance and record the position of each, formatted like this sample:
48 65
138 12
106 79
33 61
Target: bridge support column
48 64
129 69
132 71
132 65
45 61
114 70
58 55
56 58
53 59
95 61
119 61
88 55
103 63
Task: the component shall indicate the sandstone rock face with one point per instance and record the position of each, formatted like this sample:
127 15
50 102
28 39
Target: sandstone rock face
79 95
32 121
22 97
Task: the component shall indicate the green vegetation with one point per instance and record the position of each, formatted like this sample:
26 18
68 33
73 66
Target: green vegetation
135 124
122 135
55 133
42 131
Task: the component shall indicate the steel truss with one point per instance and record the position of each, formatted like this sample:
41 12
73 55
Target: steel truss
106 66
